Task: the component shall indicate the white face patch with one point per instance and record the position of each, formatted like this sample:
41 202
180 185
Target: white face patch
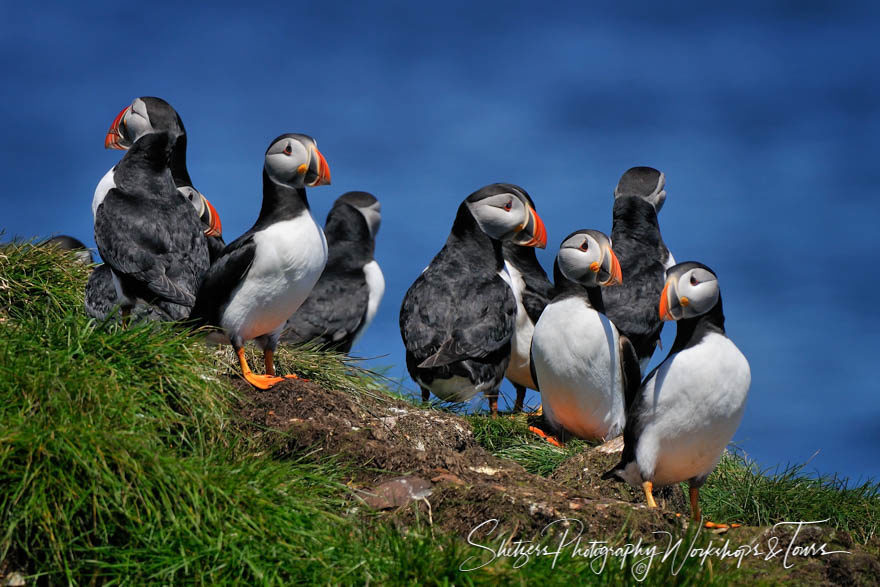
576 255
285 159
193 196
373 216
500 216
700 287
136 121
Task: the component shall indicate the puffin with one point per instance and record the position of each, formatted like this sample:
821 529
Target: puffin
643 257
101 297
687 410
143 116
147 115
69 243
587 372
263 276
533 291
344 301
459 316
147 234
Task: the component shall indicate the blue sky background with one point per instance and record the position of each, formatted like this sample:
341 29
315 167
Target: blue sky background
765 119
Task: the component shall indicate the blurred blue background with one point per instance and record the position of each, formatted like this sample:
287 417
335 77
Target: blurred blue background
765 119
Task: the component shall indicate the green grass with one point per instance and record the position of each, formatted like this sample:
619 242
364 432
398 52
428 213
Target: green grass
509 437
737 490
740 490
120 462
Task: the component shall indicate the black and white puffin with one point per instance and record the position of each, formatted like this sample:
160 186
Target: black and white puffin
147 115
586 371
643 256
458 318
101 297
69 243
533 292
263 276
144 116
148 235
689 407
345 299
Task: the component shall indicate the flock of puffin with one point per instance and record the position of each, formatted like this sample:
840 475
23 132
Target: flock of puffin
482 310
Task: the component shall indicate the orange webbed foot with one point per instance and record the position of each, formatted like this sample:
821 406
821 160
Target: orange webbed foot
548 437
263 382
295 376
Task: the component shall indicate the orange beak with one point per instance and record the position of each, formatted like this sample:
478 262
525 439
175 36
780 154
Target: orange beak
215 227
323 171
539 238
616 273
664 303
113 140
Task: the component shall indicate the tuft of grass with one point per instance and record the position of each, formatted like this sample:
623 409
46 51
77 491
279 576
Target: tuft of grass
739 490
509 437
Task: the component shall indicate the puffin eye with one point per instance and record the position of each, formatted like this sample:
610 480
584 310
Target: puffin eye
694 280
509 205
287 149
585 246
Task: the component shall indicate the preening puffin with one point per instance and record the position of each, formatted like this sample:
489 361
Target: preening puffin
586 371
101 297
346 297
144 116
147 115
458 317
263 276
148 235
689 407
643 256
533 292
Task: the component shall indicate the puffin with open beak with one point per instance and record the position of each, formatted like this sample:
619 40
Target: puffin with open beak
586 371
689 407
263 276
458 318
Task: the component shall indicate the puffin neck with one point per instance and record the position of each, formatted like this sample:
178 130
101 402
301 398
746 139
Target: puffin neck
177 163
637 219
690 331
143 169
349 244
468 238
280 202
565 287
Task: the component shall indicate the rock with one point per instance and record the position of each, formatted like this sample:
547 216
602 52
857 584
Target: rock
396 493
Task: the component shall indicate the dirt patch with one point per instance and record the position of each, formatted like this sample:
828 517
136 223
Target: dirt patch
584 472
384 437
414 463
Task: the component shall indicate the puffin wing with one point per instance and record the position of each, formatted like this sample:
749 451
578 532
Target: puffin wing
629 366
332 313
227 272
536 296
480 324
140 246
636 406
